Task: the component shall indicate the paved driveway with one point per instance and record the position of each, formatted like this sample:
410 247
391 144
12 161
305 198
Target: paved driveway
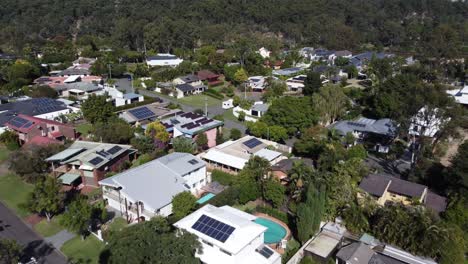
12 227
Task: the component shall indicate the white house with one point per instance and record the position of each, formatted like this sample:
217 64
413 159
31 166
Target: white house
460 95
257 110
264 52
228 104
147 190
164 59
427 122
257 83
296 83
228 236
119 98
232 155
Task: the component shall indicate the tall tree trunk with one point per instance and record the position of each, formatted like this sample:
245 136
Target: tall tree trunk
48 216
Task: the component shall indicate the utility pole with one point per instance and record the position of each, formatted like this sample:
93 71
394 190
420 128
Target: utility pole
206 106
131 81
110 71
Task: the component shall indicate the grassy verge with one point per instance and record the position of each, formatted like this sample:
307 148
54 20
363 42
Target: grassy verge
199 101
13 192
84 129
4 153
83 251
47 229
228 115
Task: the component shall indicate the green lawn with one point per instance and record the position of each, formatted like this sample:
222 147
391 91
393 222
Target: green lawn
13 192
228 115
199 101
118 224
83 251
84 129
47 229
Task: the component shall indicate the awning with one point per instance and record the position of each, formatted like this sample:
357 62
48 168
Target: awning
69 178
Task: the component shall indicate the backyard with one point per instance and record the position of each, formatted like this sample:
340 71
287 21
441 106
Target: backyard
84 129
199 101
13 199
83 251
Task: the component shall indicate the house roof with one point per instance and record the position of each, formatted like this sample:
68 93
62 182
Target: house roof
131 95
145 112
245 230
205 74
343 53
30 107
163 56
25 123
324 244
190 78
185 87
355 253
376 183
43 141
435 202
190 123
287 71
155 183
287 164
384 126
90 155
260 107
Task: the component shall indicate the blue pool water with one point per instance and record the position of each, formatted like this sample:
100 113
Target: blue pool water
275 232
205 198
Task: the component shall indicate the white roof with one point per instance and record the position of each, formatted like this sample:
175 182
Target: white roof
268 154
223 158
71 79
245 229
460 95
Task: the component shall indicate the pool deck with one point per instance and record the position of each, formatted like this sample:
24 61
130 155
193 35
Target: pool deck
281 223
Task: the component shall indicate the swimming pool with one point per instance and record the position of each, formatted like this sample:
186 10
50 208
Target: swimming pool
275 232
205 198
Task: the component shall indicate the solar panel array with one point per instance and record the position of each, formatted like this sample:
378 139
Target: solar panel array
20 122
252 143
96 161
356 124
265 251
142 113
213 228
114 149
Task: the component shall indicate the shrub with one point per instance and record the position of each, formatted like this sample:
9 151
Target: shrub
215 94
222 177
227 197
235 134
273 212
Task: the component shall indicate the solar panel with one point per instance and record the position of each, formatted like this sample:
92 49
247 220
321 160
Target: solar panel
193 161
252 143
175 121
213 228
96 161
142 113
114 149
29 124
266 252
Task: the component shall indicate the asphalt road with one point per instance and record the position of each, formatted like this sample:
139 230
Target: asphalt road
12 227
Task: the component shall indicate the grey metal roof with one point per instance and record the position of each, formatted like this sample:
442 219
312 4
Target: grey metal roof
356 253
260 107
376 184
163 57
190 78
186 87
384 126
131 95
436 202
286 165
157 182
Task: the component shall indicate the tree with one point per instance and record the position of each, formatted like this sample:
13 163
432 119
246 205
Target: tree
46 198
96 109
258 129
10 251
274 192
183 144
159 133
144 144
235 134
219 137
43 91
202 141
77 217
10 140
115 131
341 61
329 103
151 242
241 116
183 204
241 76
309 213
459 168
312 83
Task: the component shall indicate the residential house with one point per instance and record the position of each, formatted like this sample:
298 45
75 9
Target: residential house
39 131
257 110
164 59
183 90
323 246
146 191
190 125
386 188
323 55
61 84
188 79
368 250
228 236
296 83
264 53
257 83
45 108
82 90
142 115
306 52
282 169
119 98
379 133
460 95
360 61
287 71
232 155
426 123
209 77
88 162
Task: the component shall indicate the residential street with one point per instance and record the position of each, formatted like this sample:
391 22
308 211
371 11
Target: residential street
13 227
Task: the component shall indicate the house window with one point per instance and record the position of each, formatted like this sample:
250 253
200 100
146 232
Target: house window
225 252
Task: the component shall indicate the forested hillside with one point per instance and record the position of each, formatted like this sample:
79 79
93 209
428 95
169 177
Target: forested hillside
435 27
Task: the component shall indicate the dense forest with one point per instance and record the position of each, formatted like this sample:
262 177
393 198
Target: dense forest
438 28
